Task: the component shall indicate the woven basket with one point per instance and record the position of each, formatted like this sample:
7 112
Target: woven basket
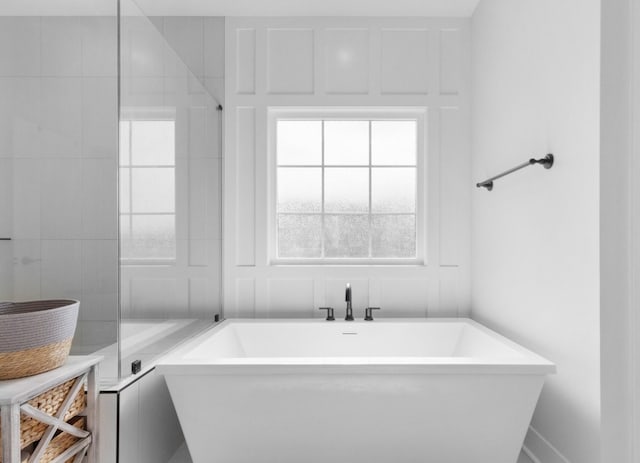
31 430
35 336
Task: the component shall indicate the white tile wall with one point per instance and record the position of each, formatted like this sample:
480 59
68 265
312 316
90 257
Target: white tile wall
20 113
61 46
6 198
61 269
99 279
185 36
6 268
99 212
61 199
20 46
26 194
61 123
214 47
99 121
58 132
99 49
27 269
146 50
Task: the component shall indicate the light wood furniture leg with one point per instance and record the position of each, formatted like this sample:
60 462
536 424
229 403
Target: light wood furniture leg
10 415
93 412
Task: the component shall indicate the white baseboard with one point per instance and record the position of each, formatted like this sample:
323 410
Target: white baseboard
540 450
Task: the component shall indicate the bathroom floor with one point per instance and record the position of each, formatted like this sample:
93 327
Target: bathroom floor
182 456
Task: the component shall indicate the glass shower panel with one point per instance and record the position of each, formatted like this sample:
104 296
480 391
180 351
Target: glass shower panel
170 185
58 164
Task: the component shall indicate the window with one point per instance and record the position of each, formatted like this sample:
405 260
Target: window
347 186
147 189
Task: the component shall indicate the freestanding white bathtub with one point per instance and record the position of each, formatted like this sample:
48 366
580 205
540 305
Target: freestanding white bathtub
387 391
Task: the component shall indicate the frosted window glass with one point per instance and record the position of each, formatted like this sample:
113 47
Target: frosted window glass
125 143
299 143
346 143
299 235
393 236
153 143
346 235
393 189
393 143
153 189
125 191
346 189
356 197
152 237
299 189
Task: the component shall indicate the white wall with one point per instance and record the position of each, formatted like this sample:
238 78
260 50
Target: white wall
396 62
535 245
58 164
619 230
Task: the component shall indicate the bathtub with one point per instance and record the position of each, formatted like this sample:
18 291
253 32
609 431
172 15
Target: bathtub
387 391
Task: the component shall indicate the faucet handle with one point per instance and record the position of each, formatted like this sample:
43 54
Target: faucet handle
368 313
329 310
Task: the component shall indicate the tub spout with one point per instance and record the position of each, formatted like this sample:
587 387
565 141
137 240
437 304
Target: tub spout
347 298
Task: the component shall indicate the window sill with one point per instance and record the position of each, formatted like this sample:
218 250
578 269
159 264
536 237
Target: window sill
348 264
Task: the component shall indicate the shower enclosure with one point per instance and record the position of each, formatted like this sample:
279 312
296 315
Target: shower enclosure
111 172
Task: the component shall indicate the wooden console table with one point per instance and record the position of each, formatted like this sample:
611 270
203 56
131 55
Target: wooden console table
77 376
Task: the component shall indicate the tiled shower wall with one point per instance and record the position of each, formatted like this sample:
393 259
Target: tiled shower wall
58 161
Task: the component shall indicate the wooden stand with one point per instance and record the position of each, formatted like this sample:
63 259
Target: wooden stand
15 395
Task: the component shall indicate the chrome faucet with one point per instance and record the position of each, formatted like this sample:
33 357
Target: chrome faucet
347 298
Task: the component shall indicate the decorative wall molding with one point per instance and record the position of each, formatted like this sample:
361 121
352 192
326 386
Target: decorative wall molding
347 62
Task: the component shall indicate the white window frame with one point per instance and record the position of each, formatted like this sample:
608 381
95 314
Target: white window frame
419 114
149 114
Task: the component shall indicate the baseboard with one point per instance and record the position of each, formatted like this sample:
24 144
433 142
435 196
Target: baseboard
540 450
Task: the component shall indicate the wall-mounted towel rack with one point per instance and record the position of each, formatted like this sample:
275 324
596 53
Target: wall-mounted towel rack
546 161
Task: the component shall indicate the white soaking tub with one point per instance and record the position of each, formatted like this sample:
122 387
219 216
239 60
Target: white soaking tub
387 391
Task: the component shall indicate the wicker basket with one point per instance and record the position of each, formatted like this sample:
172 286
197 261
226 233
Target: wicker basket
32 430
35 336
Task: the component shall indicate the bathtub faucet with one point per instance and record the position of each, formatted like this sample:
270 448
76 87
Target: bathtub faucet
347 298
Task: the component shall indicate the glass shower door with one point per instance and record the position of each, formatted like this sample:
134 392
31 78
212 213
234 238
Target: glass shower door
58 162
170 169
